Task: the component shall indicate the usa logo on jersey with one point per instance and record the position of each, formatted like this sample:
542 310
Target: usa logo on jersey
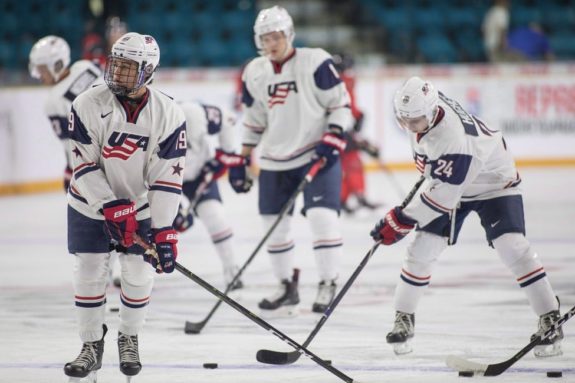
279 92
123 145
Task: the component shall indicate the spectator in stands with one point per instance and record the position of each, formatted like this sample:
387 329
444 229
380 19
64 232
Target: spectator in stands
495 26
96 48
529 44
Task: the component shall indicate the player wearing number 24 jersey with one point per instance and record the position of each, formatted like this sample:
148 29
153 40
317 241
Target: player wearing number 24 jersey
468 168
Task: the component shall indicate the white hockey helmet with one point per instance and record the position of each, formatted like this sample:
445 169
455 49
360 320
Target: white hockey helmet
52 51
274 19
141 49
416 98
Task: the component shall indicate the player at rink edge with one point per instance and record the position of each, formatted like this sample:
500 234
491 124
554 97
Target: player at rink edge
129 143
49 61
296 109
204 166
468 168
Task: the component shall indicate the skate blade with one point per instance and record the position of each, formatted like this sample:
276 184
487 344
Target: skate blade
90 378
281 312
548 350
402 348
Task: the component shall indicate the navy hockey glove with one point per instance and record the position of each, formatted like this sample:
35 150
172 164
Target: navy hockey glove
120 221
393 227
165 241
331 146
239 178
217 166
184 219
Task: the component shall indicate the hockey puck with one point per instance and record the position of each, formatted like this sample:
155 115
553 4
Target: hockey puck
554 374
114 309
467 374
210 365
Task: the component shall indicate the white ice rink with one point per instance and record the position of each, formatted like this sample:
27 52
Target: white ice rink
473 307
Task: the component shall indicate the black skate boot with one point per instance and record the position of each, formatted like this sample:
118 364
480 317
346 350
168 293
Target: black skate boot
552 345
129 358
284 303
369 205
88 362
325 294
403 331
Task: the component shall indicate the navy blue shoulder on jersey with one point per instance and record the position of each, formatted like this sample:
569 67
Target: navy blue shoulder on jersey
77 131
60 125
451 168
214 118
246 96
175 145
326 76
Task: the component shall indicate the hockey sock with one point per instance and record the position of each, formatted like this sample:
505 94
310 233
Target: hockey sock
516 253
211 212
280 246
91 275
327 241
416 271
137 282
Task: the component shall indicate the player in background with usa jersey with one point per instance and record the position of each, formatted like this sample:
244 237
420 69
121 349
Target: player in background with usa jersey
49 61
128 144
296 109
468 168
205 164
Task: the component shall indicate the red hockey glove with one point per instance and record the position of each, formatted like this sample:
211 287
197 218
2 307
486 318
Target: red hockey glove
120 221
165 240
393 227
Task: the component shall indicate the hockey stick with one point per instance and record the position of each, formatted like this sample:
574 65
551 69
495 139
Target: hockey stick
460 364
196 327
275 357
151 251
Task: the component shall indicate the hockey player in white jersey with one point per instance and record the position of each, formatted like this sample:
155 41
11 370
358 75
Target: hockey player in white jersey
468 168
128 146
204 165
295 108
49 61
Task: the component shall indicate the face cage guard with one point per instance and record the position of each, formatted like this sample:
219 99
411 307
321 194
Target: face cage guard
115 86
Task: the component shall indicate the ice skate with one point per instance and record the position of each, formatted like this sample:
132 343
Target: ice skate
285 302
403 331
83 368
552 345
369 205
325 294
129 358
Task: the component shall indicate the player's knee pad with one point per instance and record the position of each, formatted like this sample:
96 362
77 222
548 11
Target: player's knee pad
325 226
91 270
135 271
516 253
422 254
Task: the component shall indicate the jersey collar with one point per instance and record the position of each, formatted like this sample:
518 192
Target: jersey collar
278 65
133 108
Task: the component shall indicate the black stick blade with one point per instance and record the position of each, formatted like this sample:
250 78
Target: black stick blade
275 357
193 328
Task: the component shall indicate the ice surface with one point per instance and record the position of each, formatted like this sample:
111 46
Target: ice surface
473 307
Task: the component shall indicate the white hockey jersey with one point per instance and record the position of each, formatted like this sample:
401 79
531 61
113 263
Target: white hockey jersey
288 107
463 160
137 155
203 121
83 75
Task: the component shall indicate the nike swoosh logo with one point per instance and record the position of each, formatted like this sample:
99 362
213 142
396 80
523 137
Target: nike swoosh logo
494 224
318 198
105 115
